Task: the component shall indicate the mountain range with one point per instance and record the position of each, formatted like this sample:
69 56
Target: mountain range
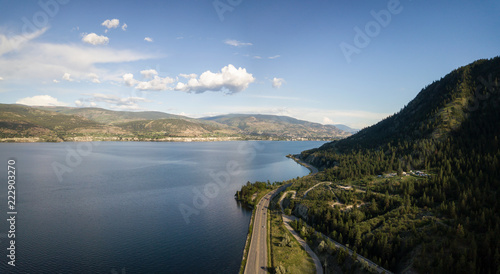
20 123
346 128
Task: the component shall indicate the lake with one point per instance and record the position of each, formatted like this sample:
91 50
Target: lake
135 207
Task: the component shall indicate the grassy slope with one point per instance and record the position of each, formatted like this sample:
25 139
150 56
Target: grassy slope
293 258
113 117
175 127
18 121
23 121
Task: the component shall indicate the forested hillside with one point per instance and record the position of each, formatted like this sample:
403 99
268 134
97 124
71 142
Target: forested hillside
427 179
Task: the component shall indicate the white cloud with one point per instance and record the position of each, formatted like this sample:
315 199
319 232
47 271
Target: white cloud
129 79
155 84
150 73
111 24
148 39
236 43
67 77
40 100
274 57
55 81
124 27
94 78
95 39
327 121
111 101
188 76
1 78
49 61
257 57
277 82
8 44
229 79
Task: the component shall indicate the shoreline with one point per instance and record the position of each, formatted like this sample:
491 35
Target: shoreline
312 169
165 140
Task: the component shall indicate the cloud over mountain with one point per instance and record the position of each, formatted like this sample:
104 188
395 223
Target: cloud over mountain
40 100
229 79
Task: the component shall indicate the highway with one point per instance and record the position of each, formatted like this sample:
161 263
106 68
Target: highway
257 254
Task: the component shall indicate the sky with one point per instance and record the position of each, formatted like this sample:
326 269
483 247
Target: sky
330 62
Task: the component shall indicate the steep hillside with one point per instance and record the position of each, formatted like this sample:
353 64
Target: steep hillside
280 126
419 192
438 110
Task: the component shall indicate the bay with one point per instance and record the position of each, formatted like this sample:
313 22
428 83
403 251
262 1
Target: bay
136 207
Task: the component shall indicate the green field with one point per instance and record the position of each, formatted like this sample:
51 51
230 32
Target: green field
291 257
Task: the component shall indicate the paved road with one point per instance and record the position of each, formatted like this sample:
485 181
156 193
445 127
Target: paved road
316 185
257 254
286 220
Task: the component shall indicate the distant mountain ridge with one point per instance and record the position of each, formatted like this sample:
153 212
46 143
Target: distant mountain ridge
258 124
346 128
107 116
24 123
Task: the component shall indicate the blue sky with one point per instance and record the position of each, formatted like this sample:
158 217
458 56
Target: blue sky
348 62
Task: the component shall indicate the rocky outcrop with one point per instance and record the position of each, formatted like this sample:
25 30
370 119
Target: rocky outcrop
300 211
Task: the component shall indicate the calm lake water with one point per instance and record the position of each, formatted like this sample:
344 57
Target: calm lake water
132 207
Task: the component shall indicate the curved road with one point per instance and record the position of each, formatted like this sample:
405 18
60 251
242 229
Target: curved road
316 185
286 221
